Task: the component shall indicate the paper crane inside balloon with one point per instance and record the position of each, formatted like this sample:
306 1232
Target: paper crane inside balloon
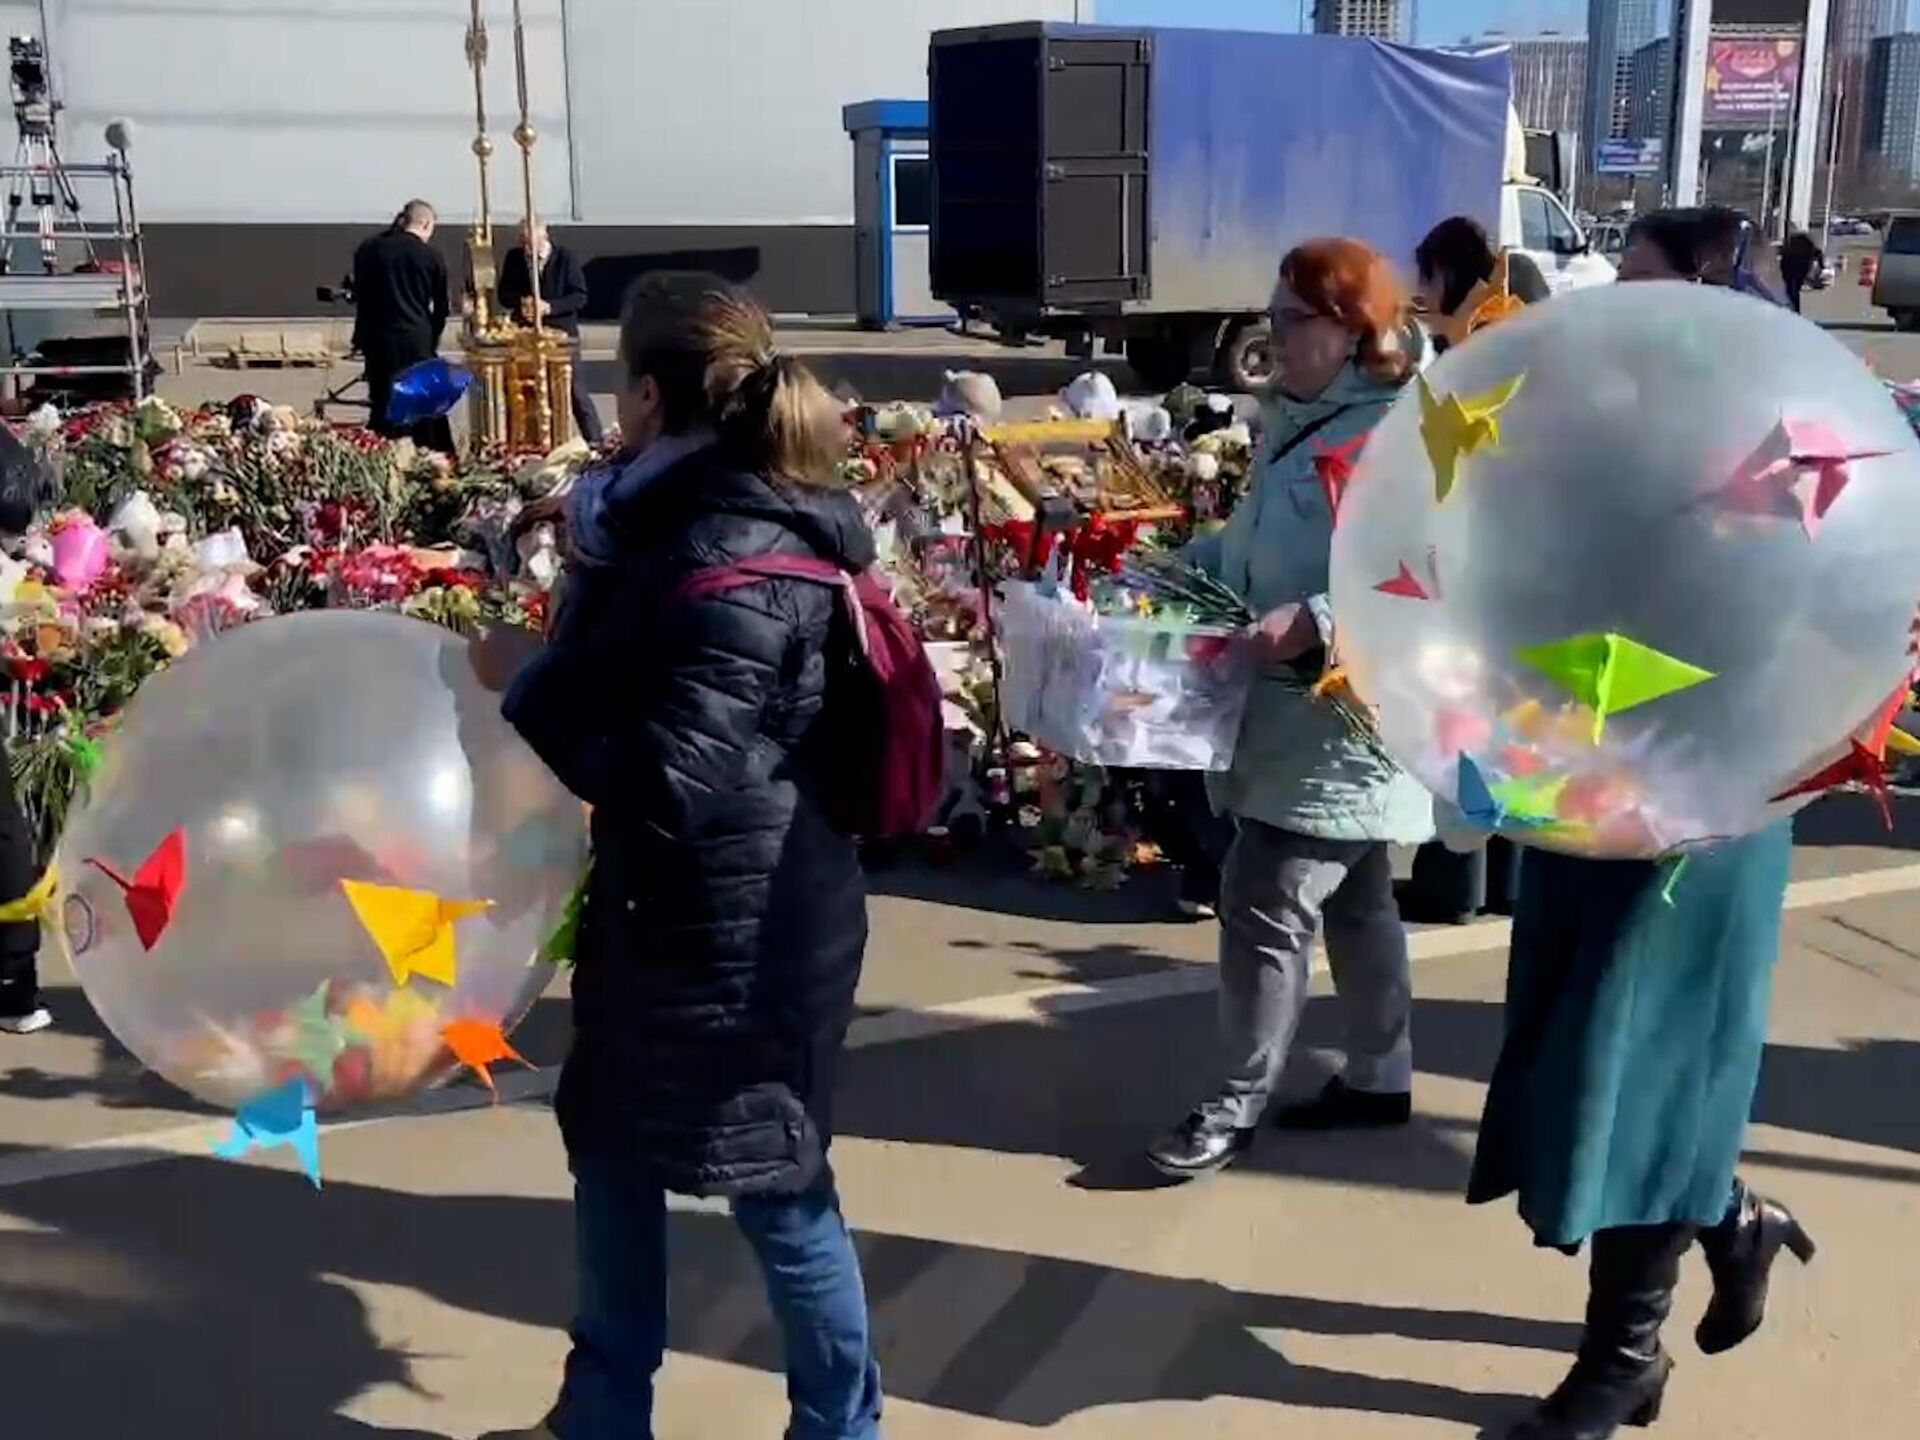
290 888
427 391
1679 533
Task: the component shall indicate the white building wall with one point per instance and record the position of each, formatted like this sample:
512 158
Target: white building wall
651 112
727 112
303 111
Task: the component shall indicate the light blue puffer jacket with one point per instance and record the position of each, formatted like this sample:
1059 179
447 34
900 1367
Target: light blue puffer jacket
1297 765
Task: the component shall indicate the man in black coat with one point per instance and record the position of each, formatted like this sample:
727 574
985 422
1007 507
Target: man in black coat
1801 258
400 313
563 298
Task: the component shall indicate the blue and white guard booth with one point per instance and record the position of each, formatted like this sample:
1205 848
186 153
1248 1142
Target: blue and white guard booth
893 214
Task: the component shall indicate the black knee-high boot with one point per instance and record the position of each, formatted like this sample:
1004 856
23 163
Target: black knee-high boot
1621 1374
1740 1252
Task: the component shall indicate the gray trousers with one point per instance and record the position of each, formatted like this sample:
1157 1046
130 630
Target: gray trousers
1276 890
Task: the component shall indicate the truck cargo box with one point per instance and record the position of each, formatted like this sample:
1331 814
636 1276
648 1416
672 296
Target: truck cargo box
1087 169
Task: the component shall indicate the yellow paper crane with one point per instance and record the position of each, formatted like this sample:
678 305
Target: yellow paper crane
1454 427
413 928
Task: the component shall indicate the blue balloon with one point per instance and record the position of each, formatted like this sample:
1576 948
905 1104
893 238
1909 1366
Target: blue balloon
427 391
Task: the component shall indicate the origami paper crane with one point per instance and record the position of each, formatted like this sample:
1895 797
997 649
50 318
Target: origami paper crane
1531 799
477 1044
1524 804
1859 766
1797 472
1408 586
318 1038
413 928
155 889
1611 673
1883 735
1335 466
282 1116
1453 427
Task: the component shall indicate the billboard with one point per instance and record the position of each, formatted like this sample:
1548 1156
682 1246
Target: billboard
1751 81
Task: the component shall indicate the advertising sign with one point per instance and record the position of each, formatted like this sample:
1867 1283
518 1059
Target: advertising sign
1629 157
1751 80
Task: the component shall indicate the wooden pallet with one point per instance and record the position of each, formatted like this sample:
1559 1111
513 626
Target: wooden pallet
280 349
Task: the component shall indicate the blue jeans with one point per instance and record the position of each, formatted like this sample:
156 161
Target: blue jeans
620 1332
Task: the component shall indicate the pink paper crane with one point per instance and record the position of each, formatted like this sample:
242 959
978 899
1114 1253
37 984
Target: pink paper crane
1798 472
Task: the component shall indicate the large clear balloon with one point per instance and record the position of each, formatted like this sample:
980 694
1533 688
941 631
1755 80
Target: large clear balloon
293 817
1621 573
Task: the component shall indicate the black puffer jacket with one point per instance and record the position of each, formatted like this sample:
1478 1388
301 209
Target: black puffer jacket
726 919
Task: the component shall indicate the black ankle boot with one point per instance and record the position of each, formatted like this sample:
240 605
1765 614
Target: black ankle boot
1740 1252
1620 1377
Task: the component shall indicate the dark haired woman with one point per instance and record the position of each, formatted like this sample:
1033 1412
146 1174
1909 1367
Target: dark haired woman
726 917
1457 259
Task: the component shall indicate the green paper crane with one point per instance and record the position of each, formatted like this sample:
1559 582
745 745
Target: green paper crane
1610 673
1533 798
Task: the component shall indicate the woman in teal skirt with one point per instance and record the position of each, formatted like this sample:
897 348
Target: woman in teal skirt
1636 1017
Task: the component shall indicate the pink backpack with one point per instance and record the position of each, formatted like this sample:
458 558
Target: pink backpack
894 776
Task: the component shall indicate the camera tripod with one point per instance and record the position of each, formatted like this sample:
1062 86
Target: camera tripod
40 178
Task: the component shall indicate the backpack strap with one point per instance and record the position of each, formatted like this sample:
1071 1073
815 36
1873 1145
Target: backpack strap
724 579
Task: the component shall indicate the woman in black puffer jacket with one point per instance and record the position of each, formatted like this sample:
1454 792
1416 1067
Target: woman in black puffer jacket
726 917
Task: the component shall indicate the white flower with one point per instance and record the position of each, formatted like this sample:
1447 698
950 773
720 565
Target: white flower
44 423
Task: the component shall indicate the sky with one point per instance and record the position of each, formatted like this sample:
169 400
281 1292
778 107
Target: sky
1441 21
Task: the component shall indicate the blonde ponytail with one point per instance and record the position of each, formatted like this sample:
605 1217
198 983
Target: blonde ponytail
709 347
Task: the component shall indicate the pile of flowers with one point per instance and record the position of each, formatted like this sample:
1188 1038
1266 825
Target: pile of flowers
166 526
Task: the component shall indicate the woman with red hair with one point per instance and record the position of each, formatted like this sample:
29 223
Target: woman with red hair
1315 807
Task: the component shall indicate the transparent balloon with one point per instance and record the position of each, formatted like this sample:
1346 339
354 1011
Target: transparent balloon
1670 581
284 762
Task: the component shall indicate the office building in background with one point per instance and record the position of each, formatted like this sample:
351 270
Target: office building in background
1615 30
1648 80
1382 19
1891 130
1549 79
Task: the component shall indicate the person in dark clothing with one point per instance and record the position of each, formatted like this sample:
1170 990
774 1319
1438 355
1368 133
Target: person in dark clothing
400 313
563 298
1456 256
725 920
24 487
1801 258
1453 262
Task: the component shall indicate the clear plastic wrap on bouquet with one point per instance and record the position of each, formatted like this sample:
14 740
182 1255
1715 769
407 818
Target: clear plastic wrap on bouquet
1127 692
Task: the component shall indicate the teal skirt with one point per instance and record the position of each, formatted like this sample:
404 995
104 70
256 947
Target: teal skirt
1635 1022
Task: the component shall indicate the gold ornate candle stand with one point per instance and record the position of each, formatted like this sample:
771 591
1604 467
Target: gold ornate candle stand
524 374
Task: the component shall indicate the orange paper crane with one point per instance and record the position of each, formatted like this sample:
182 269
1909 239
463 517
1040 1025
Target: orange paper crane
477 1044
155 889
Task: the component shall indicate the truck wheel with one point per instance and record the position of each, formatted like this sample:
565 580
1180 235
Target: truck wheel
1161 361
1245 362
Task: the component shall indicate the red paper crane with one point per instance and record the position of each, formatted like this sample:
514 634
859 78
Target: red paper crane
1406 585
154 891
1859 766
1335 465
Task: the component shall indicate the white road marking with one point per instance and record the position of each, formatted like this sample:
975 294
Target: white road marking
1035 1005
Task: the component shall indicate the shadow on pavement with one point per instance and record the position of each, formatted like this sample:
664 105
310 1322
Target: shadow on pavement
202 1299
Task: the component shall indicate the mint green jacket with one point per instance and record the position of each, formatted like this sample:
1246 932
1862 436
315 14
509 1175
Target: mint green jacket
1297 765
